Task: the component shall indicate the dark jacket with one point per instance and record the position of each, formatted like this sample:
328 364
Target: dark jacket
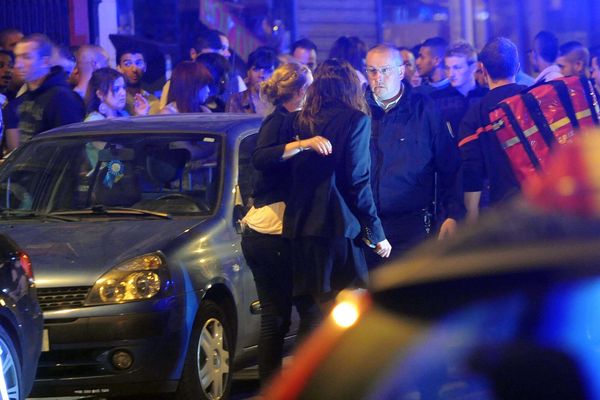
409 145
483 157
331 196
51 105
271 183
453 105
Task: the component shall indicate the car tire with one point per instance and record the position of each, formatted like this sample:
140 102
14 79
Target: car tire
11 367
207 369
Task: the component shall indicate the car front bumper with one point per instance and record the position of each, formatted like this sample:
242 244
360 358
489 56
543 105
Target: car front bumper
79 360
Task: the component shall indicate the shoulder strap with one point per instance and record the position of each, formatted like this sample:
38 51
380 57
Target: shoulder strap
519 132
563 95
538 118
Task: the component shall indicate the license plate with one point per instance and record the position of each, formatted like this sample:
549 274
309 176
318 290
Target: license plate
45 341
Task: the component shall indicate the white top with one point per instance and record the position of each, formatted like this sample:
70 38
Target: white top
267 219
549 73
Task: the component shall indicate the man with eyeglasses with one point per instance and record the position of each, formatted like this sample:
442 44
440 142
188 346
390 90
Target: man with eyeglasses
409 145
133 66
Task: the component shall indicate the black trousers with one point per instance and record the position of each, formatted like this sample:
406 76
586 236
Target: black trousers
404 232
269 257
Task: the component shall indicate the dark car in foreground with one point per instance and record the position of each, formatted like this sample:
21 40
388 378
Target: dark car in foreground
20 322
132 226
509 309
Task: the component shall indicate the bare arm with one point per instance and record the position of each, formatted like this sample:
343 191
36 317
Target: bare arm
13 139
317 143
472 205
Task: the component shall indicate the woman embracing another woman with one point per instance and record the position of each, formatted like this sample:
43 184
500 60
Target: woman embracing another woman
330 208
267 253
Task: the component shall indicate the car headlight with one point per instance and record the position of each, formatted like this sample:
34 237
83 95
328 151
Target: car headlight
136 279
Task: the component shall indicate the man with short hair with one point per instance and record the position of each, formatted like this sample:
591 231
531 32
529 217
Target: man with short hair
409 145
454 100
595 67
9 38
132 65
430 65
305 52
410 68
543 57
88 59
573 59
49 101
460 65
10 120
483 157
7 63
211 41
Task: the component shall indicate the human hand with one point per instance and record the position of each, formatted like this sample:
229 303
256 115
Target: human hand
140 105
319 144
448 229
383 249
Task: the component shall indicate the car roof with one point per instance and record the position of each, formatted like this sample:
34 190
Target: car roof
232 124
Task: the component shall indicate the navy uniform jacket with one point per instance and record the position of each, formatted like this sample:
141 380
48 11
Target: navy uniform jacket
409 144
331 195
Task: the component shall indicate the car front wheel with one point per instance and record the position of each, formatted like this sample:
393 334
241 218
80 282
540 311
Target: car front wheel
10 381
206 373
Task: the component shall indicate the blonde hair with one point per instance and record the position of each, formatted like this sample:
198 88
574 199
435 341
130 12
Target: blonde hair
463 49
287 80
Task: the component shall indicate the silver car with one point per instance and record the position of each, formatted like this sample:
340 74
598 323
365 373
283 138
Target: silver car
132 227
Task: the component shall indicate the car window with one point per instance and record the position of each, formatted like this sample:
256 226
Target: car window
246 170
171 174
18 188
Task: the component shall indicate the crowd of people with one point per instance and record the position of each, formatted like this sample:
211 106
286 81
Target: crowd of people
359 158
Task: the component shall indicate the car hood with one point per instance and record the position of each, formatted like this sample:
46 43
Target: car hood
77 253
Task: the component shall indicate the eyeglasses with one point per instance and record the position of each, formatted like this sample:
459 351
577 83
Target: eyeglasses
385 70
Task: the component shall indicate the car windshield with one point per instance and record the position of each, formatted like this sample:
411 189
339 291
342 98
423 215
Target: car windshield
171 174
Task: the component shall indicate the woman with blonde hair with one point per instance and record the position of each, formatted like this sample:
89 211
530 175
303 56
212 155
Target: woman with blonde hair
266 251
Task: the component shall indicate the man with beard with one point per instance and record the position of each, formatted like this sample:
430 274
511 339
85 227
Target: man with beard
7 63
543 57
430 65
133 66
10 120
